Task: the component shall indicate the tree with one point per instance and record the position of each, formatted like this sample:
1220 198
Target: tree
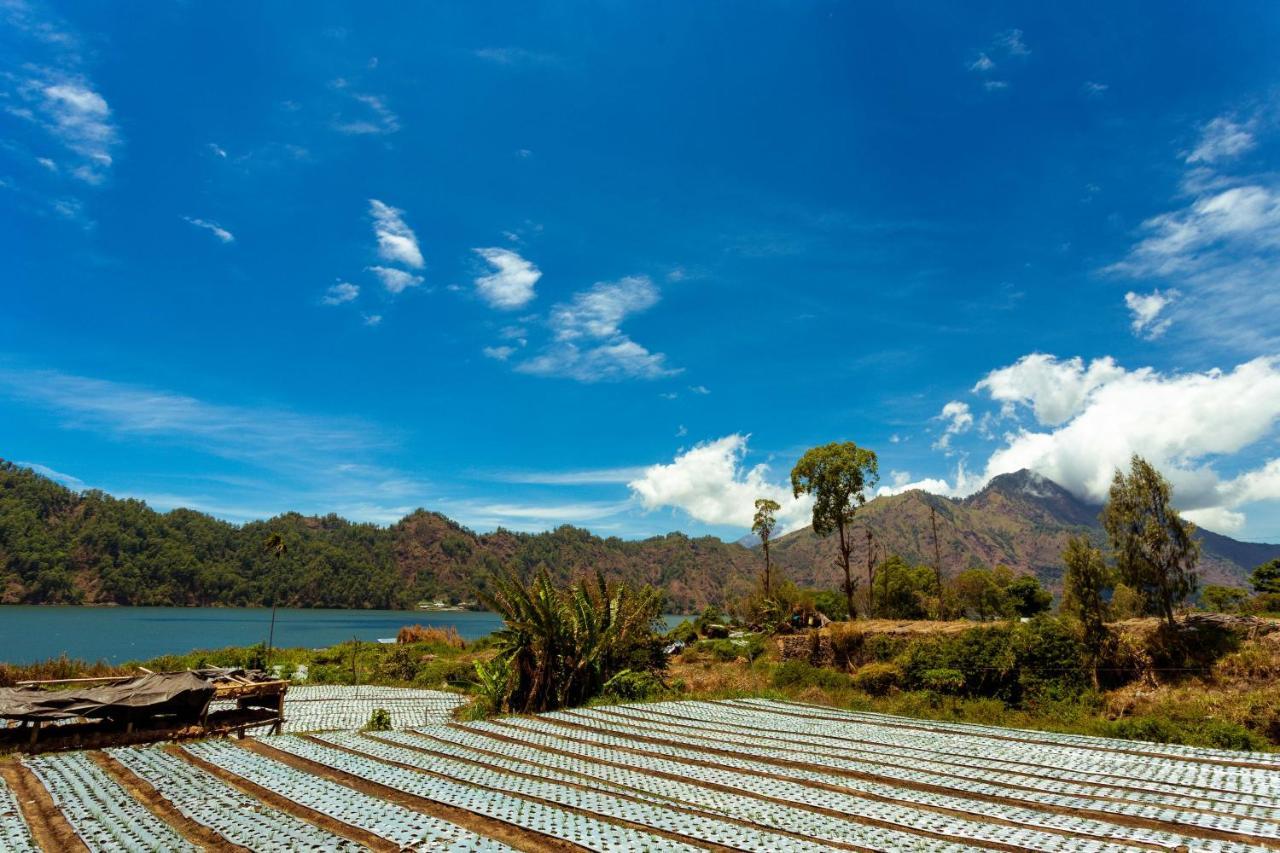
979 594
1083 589
1266 578
837 475
1027 596
1222 599
902 591
1154 549
275 546
765 520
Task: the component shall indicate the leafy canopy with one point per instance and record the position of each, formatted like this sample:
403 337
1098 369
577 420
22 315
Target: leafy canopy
838 476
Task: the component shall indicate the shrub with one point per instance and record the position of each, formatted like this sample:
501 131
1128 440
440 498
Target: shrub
882 647
799 674
947 681
846 644
446 636
878 678
683 633
632 687
379 721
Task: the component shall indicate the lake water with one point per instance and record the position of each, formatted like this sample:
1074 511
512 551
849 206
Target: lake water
118 634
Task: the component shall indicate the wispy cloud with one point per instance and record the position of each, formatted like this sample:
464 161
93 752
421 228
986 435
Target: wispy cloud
579 477
512 56
394 280
217 230
374 117
71 482
499 353
1004 47
396 241
1145 311
74 113
1222 139
588 342
1093 89
343 291
511 284
272 438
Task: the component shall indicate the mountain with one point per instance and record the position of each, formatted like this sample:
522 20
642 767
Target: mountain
60 546
1022 520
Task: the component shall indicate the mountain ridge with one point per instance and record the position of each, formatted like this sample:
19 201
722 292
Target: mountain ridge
60 546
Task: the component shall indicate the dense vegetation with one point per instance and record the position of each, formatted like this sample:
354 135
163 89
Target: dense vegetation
63 547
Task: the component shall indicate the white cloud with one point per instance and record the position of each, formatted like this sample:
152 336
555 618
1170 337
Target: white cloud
72 112
982 63
73 483
995 85
1054 389
1095 90
599 311
1011 41
1145 311
217 230
1222 139
958 419
514 56
499 353
394 280
373 319
681 431
700 389
1092 420
711 483
396 241
217 150
47 163
584 477
963 484
376 119
343 291
511 285
609 362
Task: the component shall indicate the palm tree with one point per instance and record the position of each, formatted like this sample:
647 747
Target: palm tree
274 545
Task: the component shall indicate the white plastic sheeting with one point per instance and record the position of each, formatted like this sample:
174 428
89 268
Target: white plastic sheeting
15 835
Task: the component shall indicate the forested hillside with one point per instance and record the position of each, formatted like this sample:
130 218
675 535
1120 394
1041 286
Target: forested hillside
58 546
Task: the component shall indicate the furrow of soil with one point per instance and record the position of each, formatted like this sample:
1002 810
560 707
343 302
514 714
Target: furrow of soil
49 828
509 834
1104 816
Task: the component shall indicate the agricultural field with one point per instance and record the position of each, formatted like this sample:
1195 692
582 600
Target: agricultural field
751 774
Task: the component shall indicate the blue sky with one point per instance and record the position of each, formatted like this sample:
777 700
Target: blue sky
618 265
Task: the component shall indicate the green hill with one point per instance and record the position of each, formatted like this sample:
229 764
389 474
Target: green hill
60 546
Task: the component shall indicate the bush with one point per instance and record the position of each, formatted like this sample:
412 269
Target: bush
799 674
632 687
683 633
947 681
447 636
846 644
379 721
878 678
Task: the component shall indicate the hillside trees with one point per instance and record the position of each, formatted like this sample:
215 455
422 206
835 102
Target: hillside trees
762 525
838 476
1083 589
1153 547
1265 579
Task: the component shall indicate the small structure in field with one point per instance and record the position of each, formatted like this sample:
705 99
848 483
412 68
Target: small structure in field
88 713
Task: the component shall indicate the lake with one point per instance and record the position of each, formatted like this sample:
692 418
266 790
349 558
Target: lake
118 634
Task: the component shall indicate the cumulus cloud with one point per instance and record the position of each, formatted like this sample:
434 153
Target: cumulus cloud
396 241
1222 139
1145 311
394 280
1088 421
214 228
588 342
343 291
958 419
1054 389
511 284
712 484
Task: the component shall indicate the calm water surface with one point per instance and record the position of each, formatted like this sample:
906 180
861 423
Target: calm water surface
118 634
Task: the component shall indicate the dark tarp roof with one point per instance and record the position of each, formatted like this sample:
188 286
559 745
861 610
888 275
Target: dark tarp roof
181 694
